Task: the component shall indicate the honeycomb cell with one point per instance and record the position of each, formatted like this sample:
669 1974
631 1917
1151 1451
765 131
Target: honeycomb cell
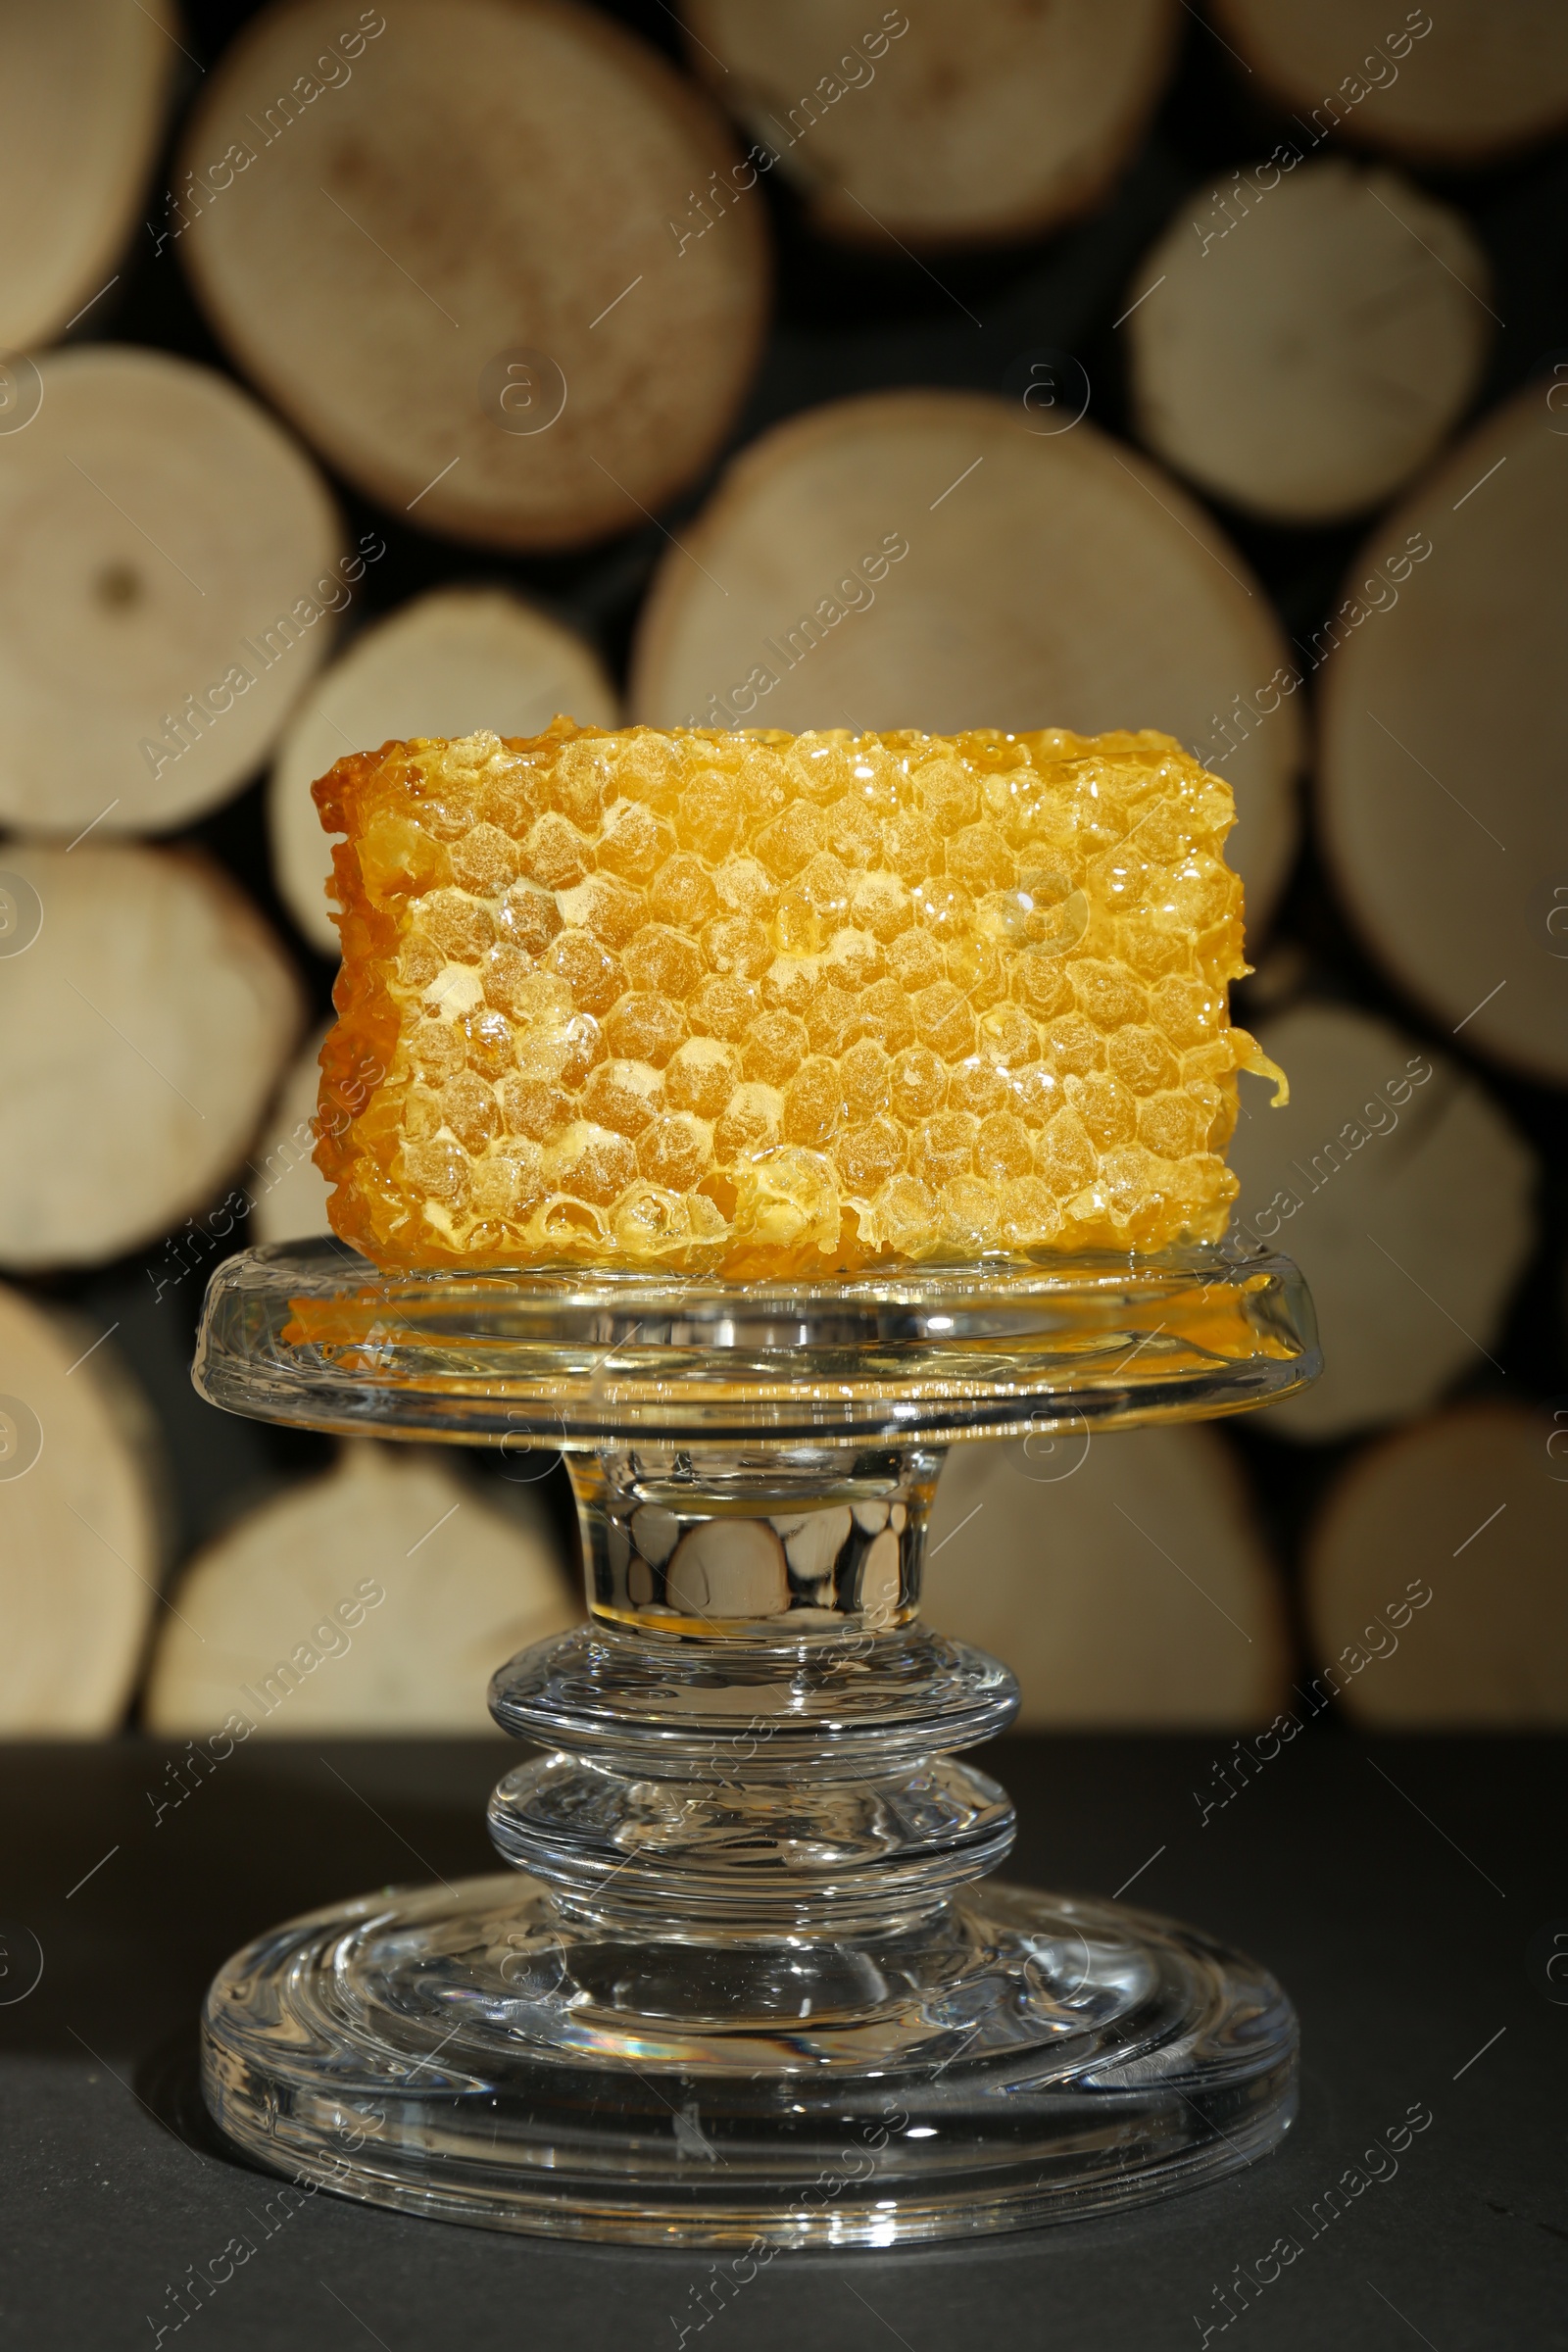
915 960
461 927
745 889
1142 1058
737 943
1039 981
492 1046
757 1005
1003 1149
635 843
580 784
556 855
976 968
590 971
468 1107
969 1209
418 961
866 1077
702 1076
1065 1157
506 1185
709 811
788 845
1037 1093
981 859
1072 1046
574 1049
830 1018
883 1017
594 1163
646 1027
676 1153
438 1049
812 1101
485 860
979 1086
919 1084
751 1120
1007 1037
949 792
881 904
664 962
942 1020
609 908
776 1044
437 1169
624 1096
726 1006
1170 1124
1106 1108
854 834
533 1107
870 1154
502 976
529 918
943 1147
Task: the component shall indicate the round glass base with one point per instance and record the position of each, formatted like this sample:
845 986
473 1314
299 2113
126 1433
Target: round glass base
477 2053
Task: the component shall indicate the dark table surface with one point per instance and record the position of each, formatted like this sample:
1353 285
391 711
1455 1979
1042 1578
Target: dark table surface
1406 1891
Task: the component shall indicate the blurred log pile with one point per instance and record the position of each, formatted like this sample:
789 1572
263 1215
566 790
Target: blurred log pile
370 373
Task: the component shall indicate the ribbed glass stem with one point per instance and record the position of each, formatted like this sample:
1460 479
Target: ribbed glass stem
749 1735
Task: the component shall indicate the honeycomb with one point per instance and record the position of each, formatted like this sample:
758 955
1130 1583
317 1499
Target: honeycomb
749 1003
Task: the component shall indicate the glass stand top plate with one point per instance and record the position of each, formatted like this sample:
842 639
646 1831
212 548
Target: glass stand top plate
313 1334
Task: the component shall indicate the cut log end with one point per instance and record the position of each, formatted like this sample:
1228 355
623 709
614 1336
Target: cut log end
1406 1196
499 334
141 1032
174 565
1439 778
79 147
938 127
1121 1578
80 1525
1463 84
1434 1588
380 1598
1307 423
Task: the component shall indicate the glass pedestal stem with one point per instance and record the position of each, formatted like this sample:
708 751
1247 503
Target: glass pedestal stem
752 1735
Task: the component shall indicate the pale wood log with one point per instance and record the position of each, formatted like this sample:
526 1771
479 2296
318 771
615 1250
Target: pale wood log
172 569
1046 580
142 1032
1121 1578
1303 347
940 125
1407 1198
1483 78
1440 780
448 663
1435 1589
83 90
480 179
288 1192
80 1525
282 1626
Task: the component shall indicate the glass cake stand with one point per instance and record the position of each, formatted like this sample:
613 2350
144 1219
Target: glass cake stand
740 1986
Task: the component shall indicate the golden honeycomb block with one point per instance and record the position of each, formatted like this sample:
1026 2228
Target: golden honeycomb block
749 1003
